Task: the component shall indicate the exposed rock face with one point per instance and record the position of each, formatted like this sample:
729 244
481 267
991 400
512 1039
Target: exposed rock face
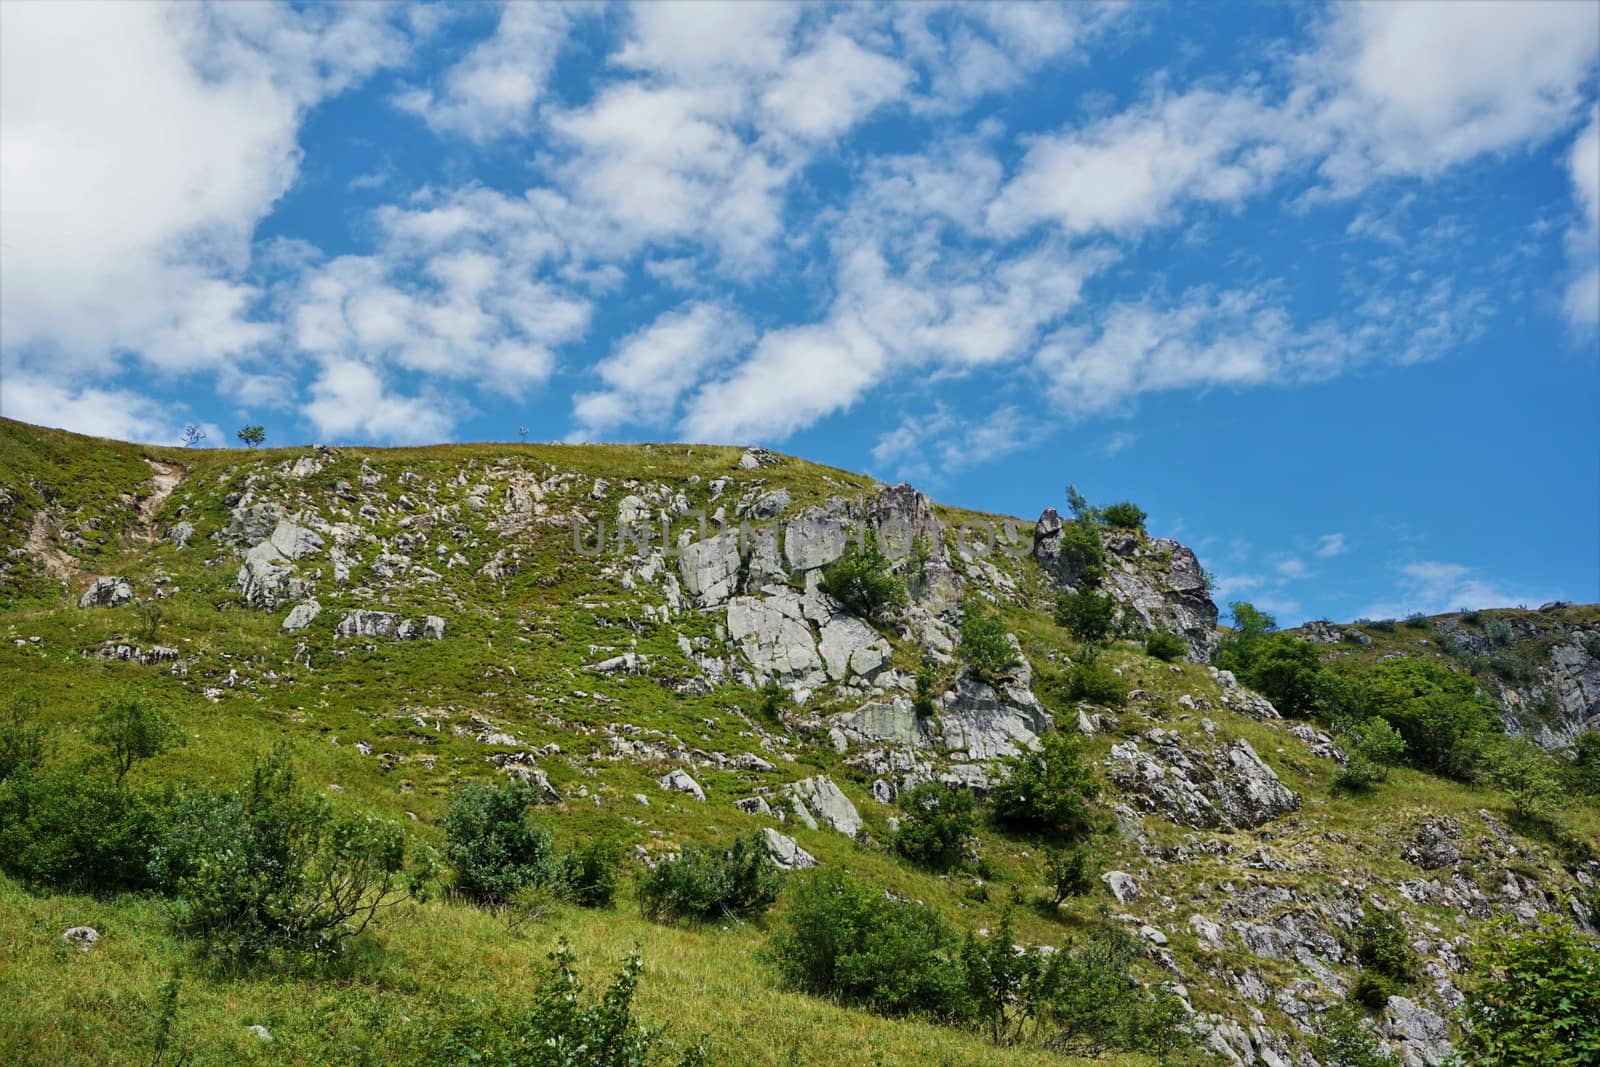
786 852
107 592
294 541
776 635
814 539
710 568
1433 845
819 801
1421 1037
1229 786
433 627
82 938
266 580
360 623
901 516
894 721
1158 581
249 524
1122 886
987 722
178 536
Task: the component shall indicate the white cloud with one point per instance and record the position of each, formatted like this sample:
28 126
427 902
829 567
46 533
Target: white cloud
1433 587
1118 443
1134 169
1416 88
649 370
493 90
140 145
1582 302
349 400
1330 545
1293 569
832 87
118 413
925 448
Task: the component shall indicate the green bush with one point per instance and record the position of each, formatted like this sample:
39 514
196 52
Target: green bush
1383 626
1288 672
861 580
1166 647
1536 998
1082 552
587 873
1237 649
1069 872
844 938
1591 645
1585 770
1049 789
562 1027
1373 747
936 824
984 644
130 728
1370 990
1472 618
1125 515
1344 1039
1087 615
1096 683
925 700
65 829
1512 667
1530 777
710 884
774 699
25 741
276 870
1417 621
1498 630
493 845
1446 721
1383 947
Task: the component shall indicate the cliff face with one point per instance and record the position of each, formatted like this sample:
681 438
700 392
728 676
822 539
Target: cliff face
645 635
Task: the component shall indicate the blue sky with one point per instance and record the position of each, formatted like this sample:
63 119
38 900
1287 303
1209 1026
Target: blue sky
1316 286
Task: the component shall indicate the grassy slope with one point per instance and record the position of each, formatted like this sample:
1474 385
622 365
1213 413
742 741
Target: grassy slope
514 653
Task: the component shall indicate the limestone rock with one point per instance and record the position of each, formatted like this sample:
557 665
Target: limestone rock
819 801
710 568
82 938
107 592
1421 1036
901 516
893 720
360 623
786 852
632 511
1432 846
850 647
679 782
266 580
180 533
814 539
756 458
301 616
250 524
294 541
1122 886
1228 786
769 505
988 722
433 627
776 638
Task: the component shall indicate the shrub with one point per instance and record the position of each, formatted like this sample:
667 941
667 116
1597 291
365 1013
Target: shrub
275 869
1125 515
493 845
1585 772
1236 651
1373 747
844 938
1069 873
587 873
774 699
1371 991
1530 778
562 1027
984 643
1472 618
1383 948
1288 672
1498 630
925 700
1048 789
150 614
1096 683
1446 722
1591 645
1385 626
1537 997
24 740
1417 621
1087 615
1083 555
710 884
862 582
1510 666
130 728
1166 647
65 829
1344 1039
936 824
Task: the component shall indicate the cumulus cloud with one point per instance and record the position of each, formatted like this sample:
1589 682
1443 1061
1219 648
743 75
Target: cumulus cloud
649 370
1582 302
140 145
350 401
1330 545
1433 587
492 91
119 413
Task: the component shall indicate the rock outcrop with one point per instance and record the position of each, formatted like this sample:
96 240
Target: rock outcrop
818 801
107 592
1227 786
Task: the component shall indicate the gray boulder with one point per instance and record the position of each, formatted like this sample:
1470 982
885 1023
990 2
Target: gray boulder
775 637
1122 886
1421 1037
294 541
850 647
814 539
266 580
786 852
710 568
301 616
901 516
107 592
680 782
818 801
178 536
893 720
769 505
82 938
360 623
249 524
433 627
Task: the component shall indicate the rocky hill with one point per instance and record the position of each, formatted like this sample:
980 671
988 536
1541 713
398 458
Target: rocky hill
645 635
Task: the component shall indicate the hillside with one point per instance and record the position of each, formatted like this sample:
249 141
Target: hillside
572 618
